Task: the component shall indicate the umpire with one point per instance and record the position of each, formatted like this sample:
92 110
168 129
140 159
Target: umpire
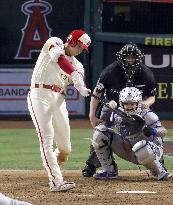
127 70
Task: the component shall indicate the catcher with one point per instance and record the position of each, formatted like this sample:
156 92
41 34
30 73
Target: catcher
140 142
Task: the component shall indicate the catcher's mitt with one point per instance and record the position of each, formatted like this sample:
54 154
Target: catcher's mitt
133 126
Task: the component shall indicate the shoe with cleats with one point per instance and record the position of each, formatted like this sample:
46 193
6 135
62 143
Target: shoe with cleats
62 186
89 170
164 177
105 175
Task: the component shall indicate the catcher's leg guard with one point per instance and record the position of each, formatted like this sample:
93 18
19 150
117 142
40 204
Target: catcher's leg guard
61 155
149 155
102 144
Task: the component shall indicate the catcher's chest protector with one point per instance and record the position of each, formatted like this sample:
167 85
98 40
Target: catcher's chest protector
132 131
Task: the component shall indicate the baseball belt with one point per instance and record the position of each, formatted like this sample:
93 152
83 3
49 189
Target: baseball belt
54 88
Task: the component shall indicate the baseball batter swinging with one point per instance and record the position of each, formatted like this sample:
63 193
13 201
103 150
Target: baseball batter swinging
55 69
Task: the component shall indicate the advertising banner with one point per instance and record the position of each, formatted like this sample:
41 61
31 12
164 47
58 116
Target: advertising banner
14 88
25 26
30 23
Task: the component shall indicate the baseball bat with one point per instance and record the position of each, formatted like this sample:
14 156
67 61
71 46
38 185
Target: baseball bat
120 113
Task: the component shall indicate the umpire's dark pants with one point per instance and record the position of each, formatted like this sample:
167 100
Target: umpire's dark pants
93 160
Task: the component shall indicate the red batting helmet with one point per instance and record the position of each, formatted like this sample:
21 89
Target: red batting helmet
79 37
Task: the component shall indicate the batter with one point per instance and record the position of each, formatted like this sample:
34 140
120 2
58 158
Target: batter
55 69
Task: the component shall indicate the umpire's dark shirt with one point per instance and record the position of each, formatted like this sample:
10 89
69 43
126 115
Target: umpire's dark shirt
112 80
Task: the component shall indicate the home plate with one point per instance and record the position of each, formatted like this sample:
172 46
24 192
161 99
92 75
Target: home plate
136 192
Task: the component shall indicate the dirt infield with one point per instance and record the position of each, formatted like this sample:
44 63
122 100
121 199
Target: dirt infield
32 186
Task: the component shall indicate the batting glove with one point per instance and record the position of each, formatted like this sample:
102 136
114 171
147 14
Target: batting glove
84 91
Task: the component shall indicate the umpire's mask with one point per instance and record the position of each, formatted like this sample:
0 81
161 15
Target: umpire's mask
130 57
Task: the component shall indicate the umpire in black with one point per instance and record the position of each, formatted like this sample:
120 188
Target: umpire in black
127 70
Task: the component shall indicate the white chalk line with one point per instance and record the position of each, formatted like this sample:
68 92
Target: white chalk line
136 192
85 195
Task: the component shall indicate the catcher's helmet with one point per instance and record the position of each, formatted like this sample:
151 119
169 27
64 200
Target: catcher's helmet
131 94
79 37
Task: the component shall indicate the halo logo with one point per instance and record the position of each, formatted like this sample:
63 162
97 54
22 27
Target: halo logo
36 30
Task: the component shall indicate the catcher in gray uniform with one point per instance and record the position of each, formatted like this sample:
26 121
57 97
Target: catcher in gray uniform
141 144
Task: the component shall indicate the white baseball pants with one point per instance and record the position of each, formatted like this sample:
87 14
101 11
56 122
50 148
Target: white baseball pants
50 117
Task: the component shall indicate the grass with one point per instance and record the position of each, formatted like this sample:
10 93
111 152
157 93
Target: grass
19 149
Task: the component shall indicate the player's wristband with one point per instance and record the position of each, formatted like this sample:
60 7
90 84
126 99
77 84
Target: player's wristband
154 132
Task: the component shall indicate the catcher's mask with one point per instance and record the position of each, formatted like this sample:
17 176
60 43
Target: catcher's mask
80 37
130 100
129 50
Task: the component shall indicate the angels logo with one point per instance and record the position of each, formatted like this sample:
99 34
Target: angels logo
36 30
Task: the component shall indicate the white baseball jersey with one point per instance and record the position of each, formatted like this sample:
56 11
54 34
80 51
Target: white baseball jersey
48 108
47 71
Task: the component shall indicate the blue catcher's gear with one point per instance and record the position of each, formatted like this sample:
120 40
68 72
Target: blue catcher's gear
105 175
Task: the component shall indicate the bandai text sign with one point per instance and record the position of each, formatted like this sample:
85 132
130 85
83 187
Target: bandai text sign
14 88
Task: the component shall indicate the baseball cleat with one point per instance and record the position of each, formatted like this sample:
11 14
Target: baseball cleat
105 175
88 170
166 176
62 186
